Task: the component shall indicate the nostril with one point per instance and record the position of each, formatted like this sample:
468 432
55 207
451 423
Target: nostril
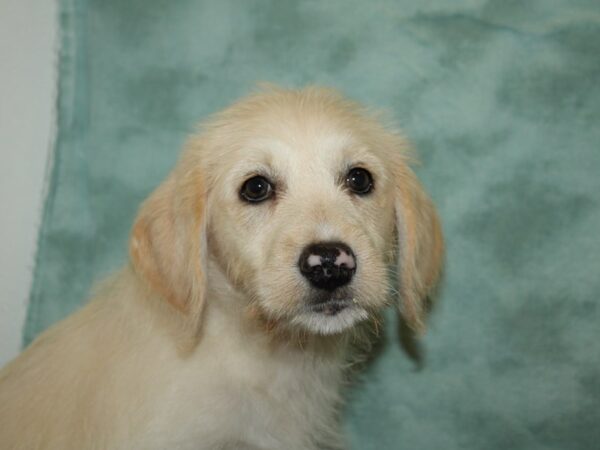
327 265
313 260
345 259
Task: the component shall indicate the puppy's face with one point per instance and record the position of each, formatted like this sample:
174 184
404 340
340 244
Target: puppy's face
302 217
304 199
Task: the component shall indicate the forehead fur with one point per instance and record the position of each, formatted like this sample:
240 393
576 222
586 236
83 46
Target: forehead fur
298 118
300 111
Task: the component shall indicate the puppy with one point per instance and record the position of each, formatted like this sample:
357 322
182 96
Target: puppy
254 268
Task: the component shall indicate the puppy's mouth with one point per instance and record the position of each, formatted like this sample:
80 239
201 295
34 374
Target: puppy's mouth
330 313
332 306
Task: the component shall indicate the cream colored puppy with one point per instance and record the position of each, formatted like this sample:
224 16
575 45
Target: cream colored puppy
253 267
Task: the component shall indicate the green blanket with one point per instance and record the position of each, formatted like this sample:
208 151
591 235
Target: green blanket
502 100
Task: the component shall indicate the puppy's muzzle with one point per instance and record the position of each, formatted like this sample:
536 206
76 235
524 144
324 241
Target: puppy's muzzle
327 265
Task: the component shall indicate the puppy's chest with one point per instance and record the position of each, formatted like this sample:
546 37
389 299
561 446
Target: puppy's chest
288 403
280 401
286 385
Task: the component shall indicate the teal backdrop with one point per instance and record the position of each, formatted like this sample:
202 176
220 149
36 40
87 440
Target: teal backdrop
501 98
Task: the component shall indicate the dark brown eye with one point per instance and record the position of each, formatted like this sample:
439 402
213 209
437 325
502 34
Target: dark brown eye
359 181
256 189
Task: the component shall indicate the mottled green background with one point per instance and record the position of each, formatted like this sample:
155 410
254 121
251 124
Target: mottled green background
502 100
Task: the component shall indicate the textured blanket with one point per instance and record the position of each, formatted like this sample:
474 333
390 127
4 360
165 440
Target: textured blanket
501 98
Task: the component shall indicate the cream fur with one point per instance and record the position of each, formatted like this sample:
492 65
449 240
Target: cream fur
204 341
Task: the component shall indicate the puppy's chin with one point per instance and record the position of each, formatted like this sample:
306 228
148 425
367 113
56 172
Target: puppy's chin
330 317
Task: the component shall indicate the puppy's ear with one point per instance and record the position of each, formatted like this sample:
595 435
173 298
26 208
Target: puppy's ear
421 246
167 243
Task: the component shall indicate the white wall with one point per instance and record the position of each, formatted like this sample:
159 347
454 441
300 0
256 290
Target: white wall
28 58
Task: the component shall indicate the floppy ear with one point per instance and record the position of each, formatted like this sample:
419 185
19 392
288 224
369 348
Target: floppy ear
421 247
168 242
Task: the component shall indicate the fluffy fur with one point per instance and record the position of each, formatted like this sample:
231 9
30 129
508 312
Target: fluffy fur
204 341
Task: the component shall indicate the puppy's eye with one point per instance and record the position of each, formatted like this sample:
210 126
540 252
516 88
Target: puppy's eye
359 181
256 189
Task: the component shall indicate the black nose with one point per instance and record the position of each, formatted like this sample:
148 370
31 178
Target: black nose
327 265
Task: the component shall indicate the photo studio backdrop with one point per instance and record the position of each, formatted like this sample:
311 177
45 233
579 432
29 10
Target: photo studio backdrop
501 100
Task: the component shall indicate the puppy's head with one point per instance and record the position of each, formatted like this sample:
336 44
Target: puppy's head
303 201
